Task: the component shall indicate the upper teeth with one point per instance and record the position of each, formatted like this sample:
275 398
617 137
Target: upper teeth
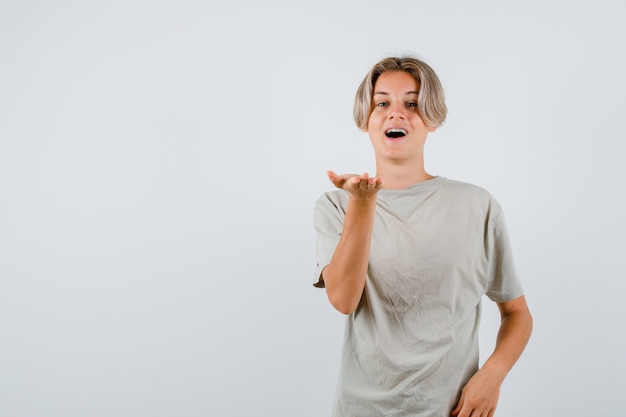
396 132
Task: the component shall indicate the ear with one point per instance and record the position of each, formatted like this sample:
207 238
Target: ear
431 129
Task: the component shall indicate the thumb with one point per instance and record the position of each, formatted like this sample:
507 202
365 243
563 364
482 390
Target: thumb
335 179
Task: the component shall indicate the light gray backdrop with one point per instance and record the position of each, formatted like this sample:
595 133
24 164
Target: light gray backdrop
159 162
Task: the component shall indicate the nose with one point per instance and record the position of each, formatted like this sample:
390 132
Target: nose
396 111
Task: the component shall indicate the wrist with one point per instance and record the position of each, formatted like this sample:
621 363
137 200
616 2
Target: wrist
363 200
495 369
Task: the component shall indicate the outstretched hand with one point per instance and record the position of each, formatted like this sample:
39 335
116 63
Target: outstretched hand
362 186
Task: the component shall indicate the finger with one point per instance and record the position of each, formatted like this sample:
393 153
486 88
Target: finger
466 412
337 180
462 410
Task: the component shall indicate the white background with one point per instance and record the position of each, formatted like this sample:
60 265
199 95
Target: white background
159 162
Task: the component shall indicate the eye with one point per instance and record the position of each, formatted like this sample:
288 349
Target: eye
411 104
382 104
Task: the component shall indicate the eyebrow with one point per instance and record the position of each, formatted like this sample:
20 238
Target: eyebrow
386 93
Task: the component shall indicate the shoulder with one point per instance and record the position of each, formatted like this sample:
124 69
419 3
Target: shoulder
331 205
465 189
330 209
335 198
467 194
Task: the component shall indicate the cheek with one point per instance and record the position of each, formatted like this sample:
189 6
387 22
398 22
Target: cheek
375 118
417 120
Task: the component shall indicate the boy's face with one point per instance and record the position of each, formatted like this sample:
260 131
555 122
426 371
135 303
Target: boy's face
395 127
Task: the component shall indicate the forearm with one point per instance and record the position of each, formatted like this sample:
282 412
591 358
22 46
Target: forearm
480 394
344 277
513 335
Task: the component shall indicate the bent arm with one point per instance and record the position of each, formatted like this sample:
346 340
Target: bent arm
344 276
480 394
515 329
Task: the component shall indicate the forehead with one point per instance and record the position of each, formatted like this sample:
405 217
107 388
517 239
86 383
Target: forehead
396 81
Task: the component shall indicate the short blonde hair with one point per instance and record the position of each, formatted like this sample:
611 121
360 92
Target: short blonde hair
431 103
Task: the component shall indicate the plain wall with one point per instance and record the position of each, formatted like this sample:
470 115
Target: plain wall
159 162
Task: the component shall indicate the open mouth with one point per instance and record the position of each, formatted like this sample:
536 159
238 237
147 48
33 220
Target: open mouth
395 133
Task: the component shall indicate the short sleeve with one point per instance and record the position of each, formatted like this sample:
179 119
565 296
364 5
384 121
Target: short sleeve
328 218
503 282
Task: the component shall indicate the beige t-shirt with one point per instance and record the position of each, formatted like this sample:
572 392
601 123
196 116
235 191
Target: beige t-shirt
412 343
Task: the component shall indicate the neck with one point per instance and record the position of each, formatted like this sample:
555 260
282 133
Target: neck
400 176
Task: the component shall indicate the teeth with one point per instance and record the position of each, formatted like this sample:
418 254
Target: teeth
396 133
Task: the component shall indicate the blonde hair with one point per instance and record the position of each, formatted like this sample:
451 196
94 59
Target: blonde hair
431 104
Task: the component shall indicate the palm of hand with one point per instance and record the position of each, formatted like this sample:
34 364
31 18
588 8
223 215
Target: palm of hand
362 186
